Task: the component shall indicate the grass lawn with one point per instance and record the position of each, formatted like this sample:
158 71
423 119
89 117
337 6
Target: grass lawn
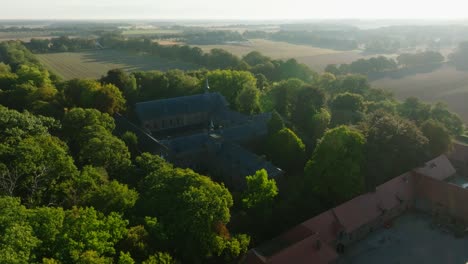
93 64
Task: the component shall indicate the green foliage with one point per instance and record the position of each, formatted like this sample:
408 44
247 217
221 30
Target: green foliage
47 224
184 200
106 98
276 123
318 124
285 95
460 57
125 258
335 171
160 258
440 140
413 109
17 240
239 88
347 108
158 85
260 190
102 149
136 242
16 125
286 149
419 59
394 146
309 101
75 120
125 83
34 168
85 230
450 120
113 197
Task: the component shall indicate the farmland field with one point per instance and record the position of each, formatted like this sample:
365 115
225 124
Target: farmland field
316 58
446 85
149 31
24 35
94 64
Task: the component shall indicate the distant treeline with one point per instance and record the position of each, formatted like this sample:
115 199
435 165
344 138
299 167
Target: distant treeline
460 57
212 37
383 64
255 62
61 44
316 39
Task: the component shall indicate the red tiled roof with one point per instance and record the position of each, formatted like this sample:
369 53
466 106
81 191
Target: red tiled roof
325 224
358 211
390 193
296 233
253 257
452 197
439 168
459 152
424 183
305 252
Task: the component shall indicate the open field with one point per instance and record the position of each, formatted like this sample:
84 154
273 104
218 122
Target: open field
24 36
94 64
316 58
149 31
445 84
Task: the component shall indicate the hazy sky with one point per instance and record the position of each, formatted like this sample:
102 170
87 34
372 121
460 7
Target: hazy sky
232 9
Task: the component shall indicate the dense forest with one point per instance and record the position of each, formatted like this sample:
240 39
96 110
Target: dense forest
76 191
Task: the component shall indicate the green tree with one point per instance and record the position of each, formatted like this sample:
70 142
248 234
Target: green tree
125 258
347 108
413 109
449 119
184 200
260 190
109 99
239 88
284 96
160 258
440 140
17 241
126 83
34 169
113 197
286 149
47 224
100 148
335 171
88 233
308 102
276 123
394 146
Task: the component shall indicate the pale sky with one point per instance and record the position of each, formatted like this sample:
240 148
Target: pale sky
232 9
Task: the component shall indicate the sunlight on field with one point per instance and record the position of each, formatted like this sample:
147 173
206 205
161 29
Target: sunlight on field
316 58
150 31
445 85
94 64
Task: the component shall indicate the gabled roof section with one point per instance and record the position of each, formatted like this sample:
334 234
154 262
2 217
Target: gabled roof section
308 250
156 109
358 211
459 152
439 168
395 191
325 225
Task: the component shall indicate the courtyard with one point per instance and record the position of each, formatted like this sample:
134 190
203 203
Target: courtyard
412 238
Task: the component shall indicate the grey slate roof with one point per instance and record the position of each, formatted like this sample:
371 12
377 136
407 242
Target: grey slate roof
208 102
